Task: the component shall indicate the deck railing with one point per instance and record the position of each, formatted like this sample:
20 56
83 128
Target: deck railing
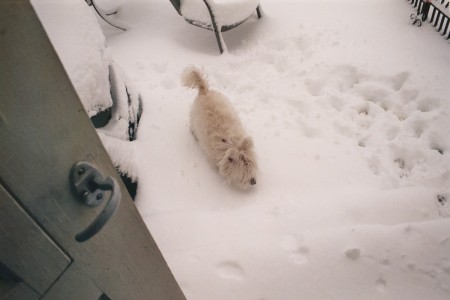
438 14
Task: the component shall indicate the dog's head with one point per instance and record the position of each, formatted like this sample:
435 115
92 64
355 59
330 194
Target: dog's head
238 165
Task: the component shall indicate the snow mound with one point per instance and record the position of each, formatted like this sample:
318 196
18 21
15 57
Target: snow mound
80 44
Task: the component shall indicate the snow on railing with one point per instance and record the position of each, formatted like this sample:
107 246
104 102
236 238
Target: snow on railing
437 12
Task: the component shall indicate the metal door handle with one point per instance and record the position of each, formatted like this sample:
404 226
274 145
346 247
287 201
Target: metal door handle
90 186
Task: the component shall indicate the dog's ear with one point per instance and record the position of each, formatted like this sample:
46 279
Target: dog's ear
246 143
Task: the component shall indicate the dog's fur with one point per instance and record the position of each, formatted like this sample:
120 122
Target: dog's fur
217 128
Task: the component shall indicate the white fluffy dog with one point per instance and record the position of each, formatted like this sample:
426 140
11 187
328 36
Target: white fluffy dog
216 126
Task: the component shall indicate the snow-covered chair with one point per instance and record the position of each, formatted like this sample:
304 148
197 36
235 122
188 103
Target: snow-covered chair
217 15
106 15
109 98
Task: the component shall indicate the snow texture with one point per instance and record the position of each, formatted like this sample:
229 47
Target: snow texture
348 107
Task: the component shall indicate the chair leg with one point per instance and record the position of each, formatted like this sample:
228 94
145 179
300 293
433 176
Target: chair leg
219 41
258 11
216 28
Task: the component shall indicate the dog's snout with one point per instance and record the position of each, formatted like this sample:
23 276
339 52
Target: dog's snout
253 181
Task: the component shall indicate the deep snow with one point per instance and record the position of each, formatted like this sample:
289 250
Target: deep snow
348 107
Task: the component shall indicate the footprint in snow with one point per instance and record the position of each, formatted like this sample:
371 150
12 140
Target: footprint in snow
383 113
300 256
443 204
353 253
428 104
230 270
399 80
438 148
381 285
295 250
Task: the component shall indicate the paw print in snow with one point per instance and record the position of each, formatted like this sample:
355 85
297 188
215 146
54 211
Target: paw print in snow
443 204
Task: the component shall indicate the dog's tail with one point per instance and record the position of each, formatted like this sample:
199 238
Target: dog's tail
195 79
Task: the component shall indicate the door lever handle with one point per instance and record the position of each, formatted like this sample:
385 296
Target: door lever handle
90 186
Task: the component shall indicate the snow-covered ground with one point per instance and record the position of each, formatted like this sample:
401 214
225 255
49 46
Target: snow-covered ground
348 106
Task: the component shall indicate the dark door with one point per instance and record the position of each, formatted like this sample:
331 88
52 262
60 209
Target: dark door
44 132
